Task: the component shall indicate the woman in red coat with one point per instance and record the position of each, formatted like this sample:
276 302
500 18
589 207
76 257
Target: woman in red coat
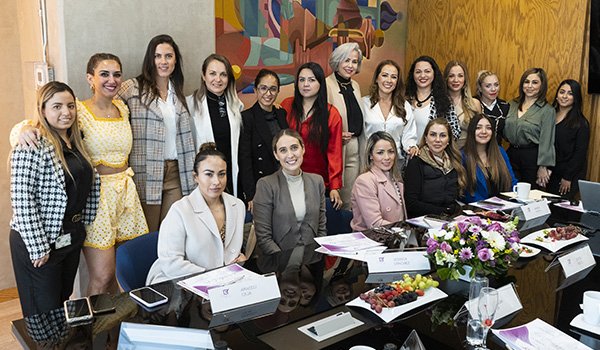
320 126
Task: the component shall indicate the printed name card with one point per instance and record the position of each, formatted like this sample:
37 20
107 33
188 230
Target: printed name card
244 293
577 261
535 210
399 261
508 302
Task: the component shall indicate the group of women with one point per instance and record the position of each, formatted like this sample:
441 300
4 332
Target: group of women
326 143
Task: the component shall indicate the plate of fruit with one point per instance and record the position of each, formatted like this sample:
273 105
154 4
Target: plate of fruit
390 300
526 251
555 239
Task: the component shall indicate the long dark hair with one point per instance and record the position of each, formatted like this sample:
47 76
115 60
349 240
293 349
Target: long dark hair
398 93
147 79
497 170
543 85
318 129
438 86
574 117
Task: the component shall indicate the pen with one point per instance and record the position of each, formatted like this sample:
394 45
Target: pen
493 204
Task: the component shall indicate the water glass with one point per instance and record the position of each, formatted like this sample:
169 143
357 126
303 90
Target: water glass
487 306
474 332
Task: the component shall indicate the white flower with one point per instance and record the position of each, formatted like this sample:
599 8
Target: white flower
451 258
495 239
462 241
437 234
440 257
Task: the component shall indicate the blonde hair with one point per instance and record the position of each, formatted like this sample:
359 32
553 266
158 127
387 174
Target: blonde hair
44 94
466 99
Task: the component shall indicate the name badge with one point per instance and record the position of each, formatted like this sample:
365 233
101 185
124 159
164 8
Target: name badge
508 302
62 241
577 260
399 261
244 293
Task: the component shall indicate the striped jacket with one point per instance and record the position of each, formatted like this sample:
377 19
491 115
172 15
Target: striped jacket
39 197
147 154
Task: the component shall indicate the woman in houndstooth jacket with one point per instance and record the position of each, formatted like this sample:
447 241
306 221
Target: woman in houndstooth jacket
54 192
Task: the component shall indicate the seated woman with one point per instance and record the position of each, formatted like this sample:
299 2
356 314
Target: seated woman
378 193
481 154
203 230
436 177
286 213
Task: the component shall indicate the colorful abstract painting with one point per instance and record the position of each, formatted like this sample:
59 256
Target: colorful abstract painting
283 34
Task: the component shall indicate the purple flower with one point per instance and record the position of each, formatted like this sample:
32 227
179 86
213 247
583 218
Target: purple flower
475 220
431 248
465 254
446 247
474 229
484 254
495 227
462 226
431 241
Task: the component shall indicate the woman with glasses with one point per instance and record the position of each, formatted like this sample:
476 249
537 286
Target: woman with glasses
216 110
260 123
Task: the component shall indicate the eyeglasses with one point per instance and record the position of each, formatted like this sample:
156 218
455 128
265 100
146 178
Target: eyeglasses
264 89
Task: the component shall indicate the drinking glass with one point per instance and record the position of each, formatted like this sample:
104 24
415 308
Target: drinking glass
487 306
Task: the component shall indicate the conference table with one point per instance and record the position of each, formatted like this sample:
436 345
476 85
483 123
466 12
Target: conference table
314 286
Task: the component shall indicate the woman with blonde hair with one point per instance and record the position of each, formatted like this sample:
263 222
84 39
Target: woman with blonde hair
54 192
457 81
217 113
435 178
378 193
344 93
487 90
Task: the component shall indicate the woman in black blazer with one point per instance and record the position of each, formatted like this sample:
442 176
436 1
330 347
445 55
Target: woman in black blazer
261 123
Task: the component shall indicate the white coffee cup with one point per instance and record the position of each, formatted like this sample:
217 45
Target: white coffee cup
591 307
522 189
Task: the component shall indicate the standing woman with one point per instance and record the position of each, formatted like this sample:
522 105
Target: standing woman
488 89
204 230
162 156
465 106
427 94
571 141
285 210
54 192
344 93
261 123
320 126
378 193
530 130
387 110
216 110
486 163
435 178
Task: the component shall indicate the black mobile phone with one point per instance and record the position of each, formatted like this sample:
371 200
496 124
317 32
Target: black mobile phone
102 304
78 310
148 297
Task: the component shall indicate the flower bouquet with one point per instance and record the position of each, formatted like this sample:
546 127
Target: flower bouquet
487 246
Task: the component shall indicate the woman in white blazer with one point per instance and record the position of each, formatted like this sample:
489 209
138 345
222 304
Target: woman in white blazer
204 230
217 114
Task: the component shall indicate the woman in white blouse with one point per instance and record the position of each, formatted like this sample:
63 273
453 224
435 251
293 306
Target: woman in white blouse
385 109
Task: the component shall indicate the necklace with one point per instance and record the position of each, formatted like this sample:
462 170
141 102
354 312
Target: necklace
419 102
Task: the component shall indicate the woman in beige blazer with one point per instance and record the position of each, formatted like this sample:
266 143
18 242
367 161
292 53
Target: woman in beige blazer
204 230
286 213
344 93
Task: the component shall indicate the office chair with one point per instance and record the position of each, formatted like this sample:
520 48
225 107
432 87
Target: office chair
134 259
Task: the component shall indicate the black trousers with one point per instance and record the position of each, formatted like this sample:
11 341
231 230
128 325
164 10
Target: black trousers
45 288
524 164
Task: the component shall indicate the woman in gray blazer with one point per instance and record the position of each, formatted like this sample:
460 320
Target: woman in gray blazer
204 230
285 210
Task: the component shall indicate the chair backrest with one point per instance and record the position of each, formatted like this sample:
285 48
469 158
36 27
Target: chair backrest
134 259
338 221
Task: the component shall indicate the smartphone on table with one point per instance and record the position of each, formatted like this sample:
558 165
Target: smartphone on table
102 304
148 297
78 310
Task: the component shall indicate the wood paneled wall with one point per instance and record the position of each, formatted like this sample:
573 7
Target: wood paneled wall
508 37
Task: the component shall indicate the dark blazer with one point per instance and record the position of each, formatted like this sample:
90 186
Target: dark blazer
428 190
275 221
256 153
